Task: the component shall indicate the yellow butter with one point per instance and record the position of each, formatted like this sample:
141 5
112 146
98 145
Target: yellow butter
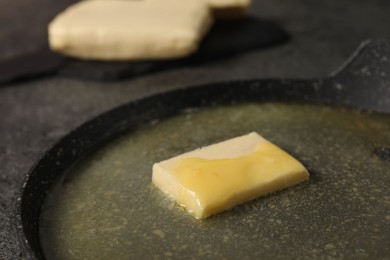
217 177
130 30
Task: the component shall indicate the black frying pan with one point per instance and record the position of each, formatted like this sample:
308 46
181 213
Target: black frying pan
362 82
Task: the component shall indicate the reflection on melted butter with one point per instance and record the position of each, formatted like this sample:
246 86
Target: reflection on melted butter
219 184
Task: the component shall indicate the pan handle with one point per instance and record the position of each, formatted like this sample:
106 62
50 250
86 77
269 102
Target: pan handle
365 76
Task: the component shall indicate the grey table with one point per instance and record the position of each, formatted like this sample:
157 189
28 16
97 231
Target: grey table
36 114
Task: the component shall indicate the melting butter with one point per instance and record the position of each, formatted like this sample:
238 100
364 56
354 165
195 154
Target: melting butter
205 185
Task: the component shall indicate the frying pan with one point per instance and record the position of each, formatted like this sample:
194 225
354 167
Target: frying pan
363 82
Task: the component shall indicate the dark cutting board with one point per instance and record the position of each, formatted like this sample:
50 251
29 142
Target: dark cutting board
226 39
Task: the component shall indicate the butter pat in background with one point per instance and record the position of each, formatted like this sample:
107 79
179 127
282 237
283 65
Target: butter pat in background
130 30
218 177
223 8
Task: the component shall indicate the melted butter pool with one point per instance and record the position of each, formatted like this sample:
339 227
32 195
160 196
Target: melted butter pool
107 208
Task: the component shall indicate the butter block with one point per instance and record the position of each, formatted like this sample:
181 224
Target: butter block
218 177
130 30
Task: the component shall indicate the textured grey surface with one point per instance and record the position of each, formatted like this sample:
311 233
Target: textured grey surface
36 114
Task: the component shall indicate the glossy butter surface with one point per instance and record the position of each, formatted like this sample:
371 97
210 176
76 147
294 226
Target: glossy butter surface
215 178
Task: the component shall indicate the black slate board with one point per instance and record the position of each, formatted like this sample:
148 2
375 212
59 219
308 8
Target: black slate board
226 38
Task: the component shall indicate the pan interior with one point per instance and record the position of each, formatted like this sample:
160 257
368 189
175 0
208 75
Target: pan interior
107 208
